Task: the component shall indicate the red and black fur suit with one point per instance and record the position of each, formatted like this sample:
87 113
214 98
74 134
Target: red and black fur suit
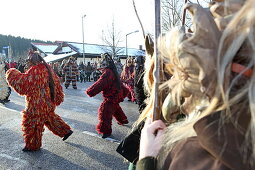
40 109
127 77
112 96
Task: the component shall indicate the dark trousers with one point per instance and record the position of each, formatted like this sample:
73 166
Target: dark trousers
88 76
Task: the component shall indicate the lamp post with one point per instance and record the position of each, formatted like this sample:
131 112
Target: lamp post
126 40
83 53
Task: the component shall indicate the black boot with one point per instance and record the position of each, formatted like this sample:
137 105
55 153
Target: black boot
67 135
25 149
6 100
105 135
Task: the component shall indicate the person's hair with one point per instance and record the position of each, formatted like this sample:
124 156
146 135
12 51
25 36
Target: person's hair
35 58
112 66
230 93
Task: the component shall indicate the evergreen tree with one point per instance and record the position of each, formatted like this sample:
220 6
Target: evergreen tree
19 45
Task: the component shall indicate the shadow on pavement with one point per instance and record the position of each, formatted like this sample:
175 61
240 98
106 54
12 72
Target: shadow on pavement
12 156
14 106
44 159
109 159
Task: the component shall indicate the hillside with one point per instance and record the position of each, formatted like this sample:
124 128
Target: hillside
19 45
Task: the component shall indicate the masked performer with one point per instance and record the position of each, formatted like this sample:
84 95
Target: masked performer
70 70
113 92
129 146
4 88
43 92
213 75
127 77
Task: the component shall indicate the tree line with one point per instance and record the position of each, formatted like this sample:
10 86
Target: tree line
18 45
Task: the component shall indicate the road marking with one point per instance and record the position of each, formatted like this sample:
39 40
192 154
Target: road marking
98 136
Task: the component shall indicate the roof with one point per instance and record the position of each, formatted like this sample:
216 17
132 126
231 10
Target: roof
57 57
99 49
45 48
62 50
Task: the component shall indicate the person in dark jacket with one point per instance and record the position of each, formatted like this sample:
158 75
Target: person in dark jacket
129 146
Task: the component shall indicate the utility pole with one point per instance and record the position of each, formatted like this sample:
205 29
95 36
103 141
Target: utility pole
83 46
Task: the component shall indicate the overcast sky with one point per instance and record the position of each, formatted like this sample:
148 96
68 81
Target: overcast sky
62 19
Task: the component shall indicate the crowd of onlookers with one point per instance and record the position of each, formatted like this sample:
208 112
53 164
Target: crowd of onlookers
20 65
85 72
90 72
69 72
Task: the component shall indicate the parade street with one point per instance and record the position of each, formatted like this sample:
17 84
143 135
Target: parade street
84 149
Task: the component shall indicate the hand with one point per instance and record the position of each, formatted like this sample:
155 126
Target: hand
151 138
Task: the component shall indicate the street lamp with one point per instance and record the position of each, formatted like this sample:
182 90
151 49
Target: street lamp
83 53
126 40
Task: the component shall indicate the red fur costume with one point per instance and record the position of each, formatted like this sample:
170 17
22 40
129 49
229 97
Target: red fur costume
40 110
127 77
112 97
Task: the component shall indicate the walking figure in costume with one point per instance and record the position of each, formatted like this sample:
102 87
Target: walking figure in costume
70 70
127 77
43 92
113 92
4 88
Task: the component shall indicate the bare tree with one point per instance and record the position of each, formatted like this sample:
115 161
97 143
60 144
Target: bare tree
112 38
172 14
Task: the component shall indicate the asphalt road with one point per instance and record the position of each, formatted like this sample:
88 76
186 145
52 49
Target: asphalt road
83 150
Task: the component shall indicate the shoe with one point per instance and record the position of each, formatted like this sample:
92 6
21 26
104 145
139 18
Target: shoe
67 135
124 122
6 100
25 149
105 135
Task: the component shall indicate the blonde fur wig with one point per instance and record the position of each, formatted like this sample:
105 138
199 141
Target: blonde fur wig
202 79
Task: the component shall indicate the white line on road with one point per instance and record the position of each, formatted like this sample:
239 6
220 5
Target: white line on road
96 135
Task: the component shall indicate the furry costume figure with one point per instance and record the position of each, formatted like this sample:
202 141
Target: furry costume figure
41 101
213 75
118 65
4 88
127 77
108 84
129 146
138 83
70 70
